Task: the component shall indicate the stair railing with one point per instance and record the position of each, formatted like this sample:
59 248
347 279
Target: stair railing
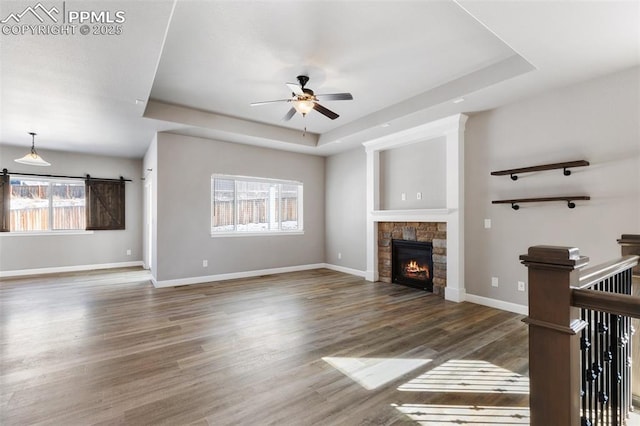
580 336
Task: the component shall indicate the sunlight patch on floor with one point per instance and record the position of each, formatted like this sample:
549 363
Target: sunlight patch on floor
441 415
468 376
371 373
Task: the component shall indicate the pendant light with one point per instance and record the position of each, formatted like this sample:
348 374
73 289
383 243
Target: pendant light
32 158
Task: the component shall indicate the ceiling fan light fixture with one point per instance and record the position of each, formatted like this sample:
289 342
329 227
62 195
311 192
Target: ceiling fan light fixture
304 106
32 158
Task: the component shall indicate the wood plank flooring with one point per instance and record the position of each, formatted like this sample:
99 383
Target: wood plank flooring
309 348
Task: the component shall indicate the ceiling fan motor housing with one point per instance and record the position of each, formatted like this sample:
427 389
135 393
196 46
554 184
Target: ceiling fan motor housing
303 79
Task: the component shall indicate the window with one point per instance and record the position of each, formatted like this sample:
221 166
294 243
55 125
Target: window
42 204
248 205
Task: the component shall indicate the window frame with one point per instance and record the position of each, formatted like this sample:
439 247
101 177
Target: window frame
50 206
267 232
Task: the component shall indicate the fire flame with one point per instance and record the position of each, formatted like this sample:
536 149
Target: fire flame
413 268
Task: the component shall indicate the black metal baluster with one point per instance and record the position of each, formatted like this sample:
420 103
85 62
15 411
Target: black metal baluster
606 351
584 370
625 288
592 359
603 379
608 356
622 350
596 355
614 379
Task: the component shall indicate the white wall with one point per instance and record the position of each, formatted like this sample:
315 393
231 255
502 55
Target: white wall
596 121
420 167
21 253
183 180
346 209
150 210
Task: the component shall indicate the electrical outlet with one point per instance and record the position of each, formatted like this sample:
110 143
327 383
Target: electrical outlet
521 286
403 196
128 252
205 263
419 196
494 281
487 224
339 255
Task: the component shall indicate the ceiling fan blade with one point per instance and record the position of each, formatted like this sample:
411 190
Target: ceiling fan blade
297 90
270 102
289 114
335 97
324 111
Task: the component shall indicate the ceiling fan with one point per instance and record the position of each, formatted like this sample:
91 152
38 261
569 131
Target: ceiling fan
304 100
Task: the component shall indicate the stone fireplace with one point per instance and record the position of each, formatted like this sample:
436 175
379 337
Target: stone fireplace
434 233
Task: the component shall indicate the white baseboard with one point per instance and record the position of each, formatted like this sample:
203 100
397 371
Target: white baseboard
256 273
345 270
372 276
455 294
234 275
498 304
75 268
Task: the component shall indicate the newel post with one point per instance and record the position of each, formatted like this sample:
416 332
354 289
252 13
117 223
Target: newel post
554 341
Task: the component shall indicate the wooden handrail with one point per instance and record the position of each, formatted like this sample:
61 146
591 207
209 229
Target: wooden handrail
594 274
619 304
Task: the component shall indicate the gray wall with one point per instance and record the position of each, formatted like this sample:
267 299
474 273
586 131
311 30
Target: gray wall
346 209
183 182
100 247
596 121
419 167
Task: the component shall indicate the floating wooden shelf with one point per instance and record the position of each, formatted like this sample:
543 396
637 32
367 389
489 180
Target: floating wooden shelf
568 199
566 165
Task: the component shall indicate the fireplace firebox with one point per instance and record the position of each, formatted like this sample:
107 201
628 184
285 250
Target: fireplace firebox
412 263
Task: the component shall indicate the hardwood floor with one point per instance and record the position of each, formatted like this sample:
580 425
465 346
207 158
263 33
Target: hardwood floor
315 347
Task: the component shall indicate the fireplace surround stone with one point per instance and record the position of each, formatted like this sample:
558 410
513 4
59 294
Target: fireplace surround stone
433 232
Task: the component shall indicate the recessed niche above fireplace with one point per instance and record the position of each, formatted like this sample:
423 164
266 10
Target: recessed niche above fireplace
412 263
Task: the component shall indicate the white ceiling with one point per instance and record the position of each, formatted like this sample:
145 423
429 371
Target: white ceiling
196 66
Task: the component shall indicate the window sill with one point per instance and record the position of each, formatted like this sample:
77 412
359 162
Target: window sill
44 233
254 234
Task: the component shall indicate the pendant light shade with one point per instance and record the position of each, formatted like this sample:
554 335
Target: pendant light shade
32 158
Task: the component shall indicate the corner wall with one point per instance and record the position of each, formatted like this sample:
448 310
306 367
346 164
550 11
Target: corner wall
183 181
28 254
596 121
346 198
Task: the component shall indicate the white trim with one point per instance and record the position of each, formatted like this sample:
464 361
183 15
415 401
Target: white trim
455 294
372 276
234 275
233 234
346 270
498 304
431 130
44 233
256 273
417 215
75 268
